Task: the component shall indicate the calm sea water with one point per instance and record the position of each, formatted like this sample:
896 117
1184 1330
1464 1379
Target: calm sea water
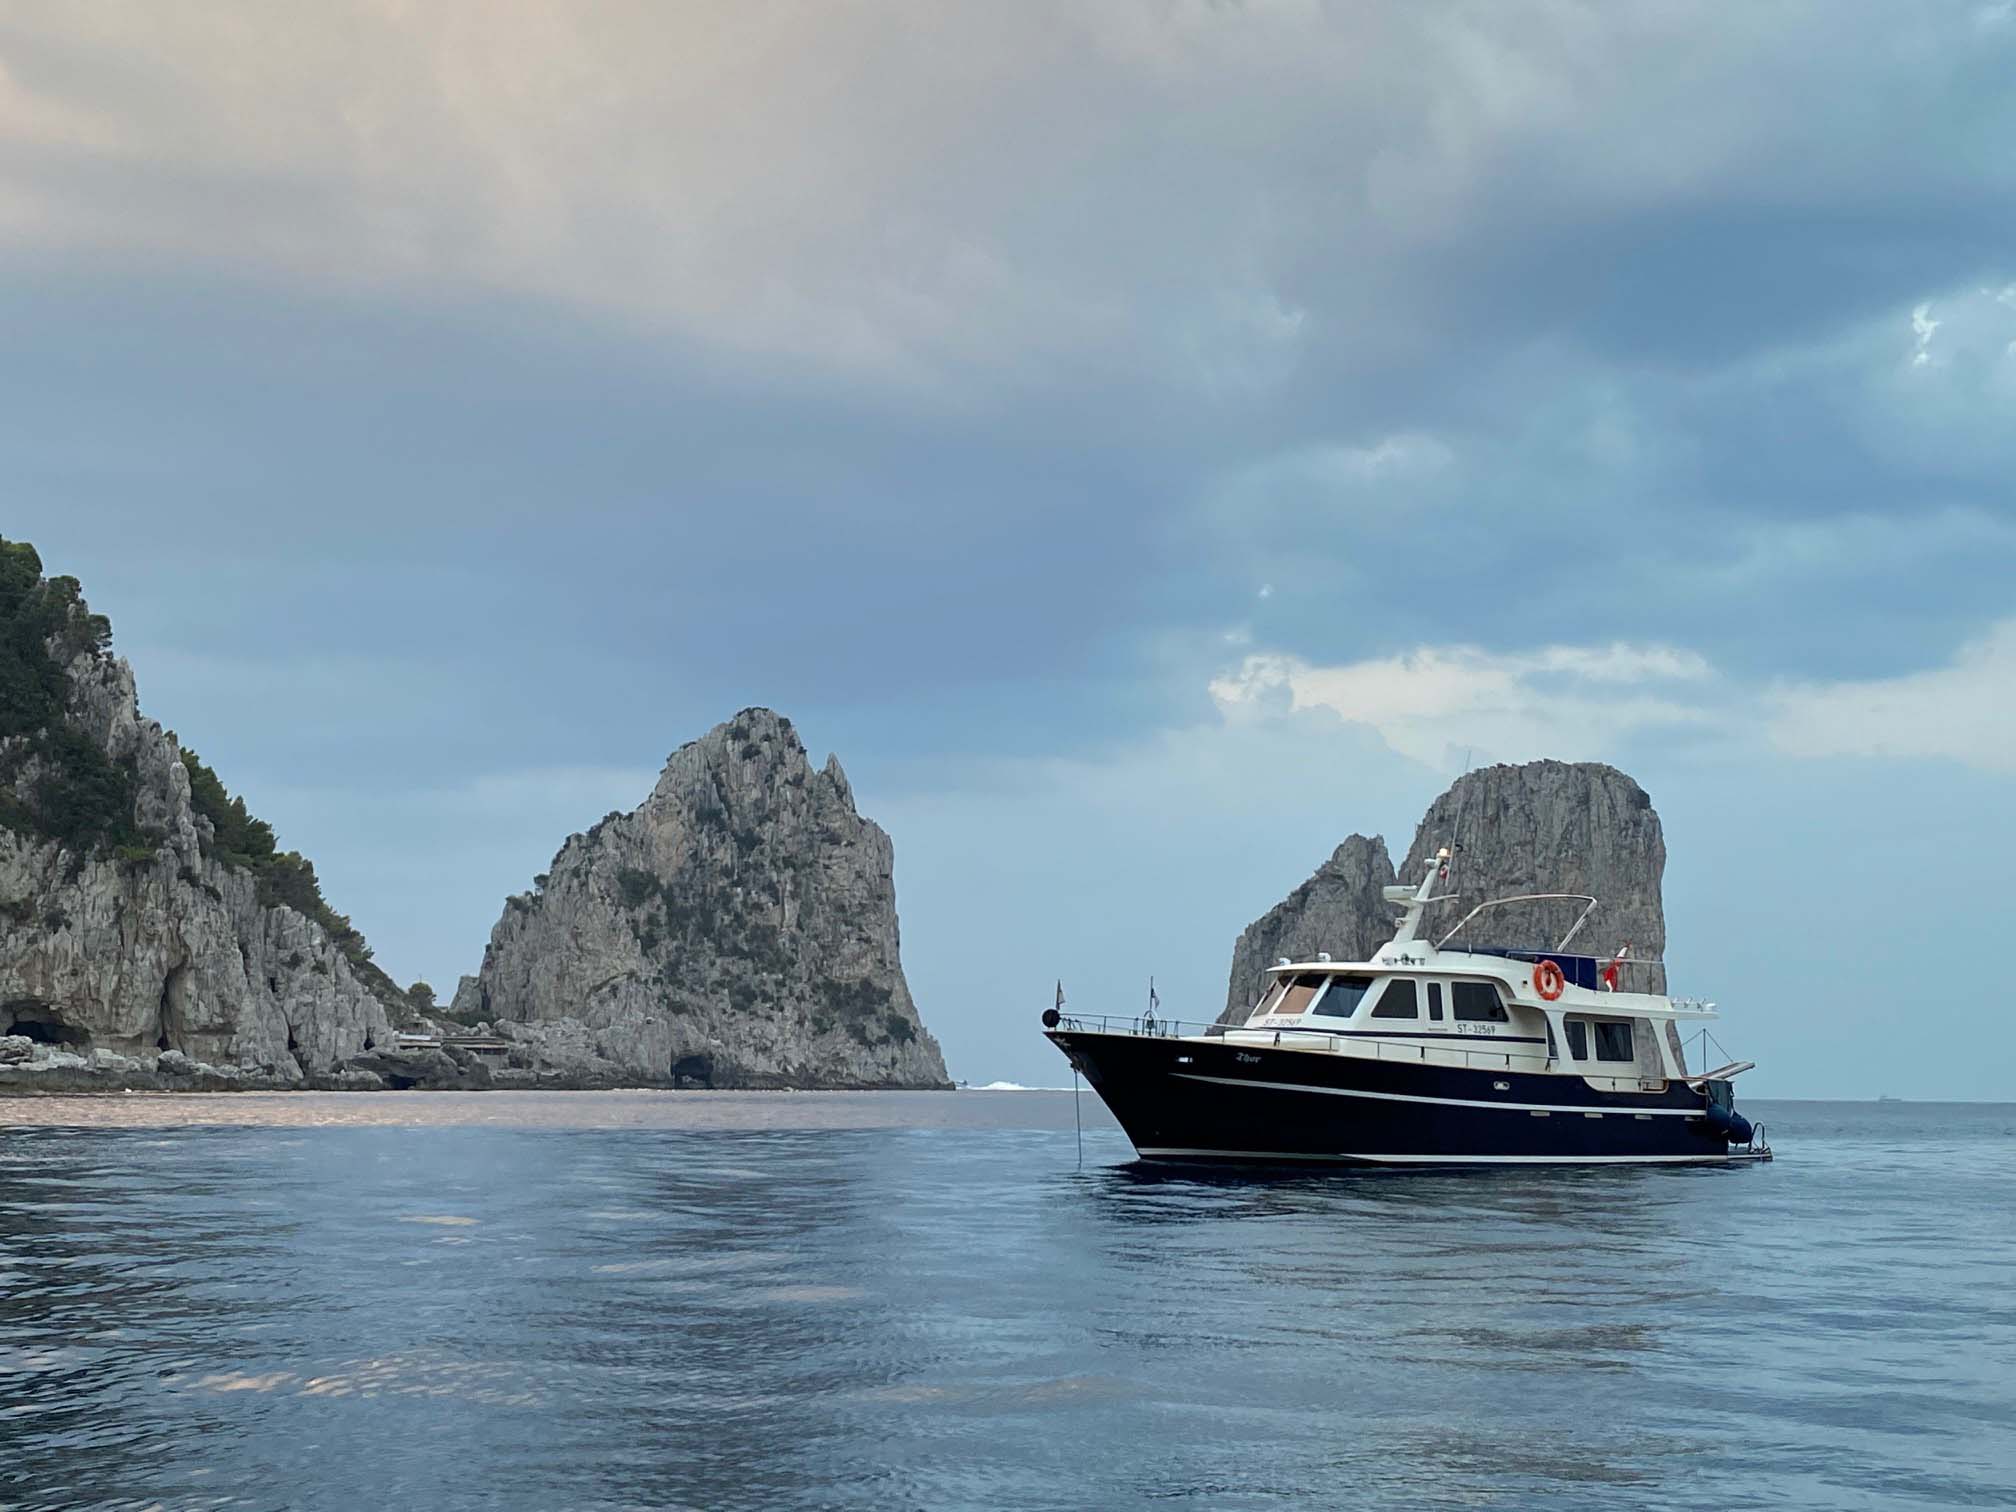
707 1300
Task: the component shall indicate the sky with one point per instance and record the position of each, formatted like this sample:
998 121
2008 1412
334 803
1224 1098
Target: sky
1146 440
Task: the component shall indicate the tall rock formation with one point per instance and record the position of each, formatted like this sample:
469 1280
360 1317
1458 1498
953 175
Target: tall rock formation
143 911
1557 827
1340 910
1546 826
737 929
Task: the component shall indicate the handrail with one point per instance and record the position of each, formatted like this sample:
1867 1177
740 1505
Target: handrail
1720 1073
1143 1027
1418 964
1573 929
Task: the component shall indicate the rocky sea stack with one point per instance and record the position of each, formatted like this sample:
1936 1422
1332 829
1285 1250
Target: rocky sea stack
737 929
151 931
1546 826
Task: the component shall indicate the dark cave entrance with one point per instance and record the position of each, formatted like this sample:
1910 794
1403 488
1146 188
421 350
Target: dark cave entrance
174 1000
31 1018
693 1071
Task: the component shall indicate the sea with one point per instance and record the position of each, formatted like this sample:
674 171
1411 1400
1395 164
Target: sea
960 1300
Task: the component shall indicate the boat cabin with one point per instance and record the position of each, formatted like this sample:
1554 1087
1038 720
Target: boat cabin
1442 1012
1480 1006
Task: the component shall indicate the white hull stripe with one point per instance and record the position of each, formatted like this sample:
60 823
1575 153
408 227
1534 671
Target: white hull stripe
1447 1102
1176 1154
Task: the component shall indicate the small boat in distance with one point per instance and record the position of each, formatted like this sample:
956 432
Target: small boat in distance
1424 1055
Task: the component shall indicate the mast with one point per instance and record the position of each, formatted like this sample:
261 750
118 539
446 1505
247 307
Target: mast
1417 899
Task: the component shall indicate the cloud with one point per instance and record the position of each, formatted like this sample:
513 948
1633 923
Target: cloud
1326 472
1434 702
1961 712
1444 705
994 191
1923 327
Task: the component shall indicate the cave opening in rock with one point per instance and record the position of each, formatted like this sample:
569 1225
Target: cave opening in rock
693 1070
174 996
33 1019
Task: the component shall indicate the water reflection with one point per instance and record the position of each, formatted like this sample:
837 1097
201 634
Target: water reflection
931 1316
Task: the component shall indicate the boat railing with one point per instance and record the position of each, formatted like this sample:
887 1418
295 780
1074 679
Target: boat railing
1367 1046
1634 973
1574 929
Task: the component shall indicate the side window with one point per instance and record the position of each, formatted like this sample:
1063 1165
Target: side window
1578 1039
1613 1040
1435 1001
1398 1000
1477 1003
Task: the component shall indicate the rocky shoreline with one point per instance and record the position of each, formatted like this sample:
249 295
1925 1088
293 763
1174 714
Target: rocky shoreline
28 1069
737 929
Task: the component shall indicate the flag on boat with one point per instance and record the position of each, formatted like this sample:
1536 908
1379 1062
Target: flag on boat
1612 971
1060 996
1154 1002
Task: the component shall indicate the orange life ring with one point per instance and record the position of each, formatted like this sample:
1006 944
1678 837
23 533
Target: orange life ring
1548 980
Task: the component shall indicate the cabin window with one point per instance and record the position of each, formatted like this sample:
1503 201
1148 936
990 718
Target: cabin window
1344 996
1435 1001
1613 1040
1578 1039
1269 998
1301 991
1398 1000
1477 1003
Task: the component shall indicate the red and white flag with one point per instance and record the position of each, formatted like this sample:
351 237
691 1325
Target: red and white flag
1612 971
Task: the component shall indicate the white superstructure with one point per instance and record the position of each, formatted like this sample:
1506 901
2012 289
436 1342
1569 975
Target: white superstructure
1523 1010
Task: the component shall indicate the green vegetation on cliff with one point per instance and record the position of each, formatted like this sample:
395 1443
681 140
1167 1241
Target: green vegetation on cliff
245 843
54 780
57 784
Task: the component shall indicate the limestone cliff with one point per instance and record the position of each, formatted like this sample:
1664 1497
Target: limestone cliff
1551 826
134 937
1546 826
737 929
1340 910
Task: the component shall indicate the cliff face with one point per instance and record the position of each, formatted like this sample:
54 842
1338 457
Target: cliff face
1339 910
1552 826
126 931
737 929
1546 826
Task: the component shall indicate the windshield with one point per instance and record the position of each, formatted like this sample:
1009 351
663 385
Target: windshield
1268 999
1344 996
1291 996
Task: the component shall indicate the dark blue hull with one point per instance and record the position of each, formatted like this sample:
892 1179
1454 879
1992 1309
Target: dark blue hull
1206 1100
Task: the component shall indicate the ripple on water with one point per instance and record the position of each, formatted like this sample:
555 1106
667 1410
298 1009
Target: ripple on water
842 1310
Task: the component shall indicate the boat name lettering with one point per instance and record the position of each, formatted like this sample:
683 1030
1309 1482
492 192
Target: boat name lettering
1246 1060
